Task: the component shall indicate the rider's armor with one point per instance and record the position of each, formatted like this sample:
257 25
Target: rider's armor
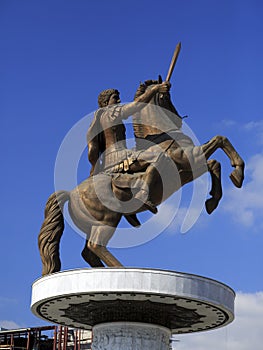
116 157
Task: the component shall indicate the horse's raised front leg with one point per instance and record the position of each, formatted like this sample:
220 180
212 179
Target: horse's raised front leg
99 238
237 175
214 169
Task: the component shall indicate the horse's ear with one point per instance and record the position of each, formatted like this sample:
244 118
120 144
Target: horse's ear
160 80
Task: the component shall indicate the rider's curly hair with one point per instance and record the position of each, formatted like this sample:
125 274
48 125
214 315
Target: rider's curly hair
105 95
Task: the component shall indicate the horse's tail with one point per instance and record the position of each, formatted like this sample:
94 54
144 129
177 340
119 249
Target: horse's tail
51 232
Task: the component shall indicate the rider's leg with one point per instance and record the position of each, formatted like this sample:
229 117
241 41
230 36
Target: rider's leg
146 183
150 176
99 238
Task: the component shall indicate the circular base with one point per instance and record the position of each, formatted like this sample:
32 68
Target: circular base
180 302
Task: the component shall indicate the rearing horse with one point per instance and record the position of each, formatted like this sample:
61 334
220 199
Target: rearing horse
159 123
98 203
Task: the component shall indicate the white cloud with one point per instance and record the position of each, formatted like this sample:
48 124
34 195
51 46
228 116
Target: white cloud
254 125
228 123
245 333
257 128
250 129
167 214
9 324
182 219
180 216
4 301
246 204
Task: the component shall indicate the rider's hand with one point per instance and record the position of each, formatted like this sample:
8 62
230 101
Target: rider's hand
164 87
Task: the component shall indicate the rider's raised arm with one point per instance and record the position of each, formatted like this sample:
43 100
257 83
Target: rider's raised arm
139 103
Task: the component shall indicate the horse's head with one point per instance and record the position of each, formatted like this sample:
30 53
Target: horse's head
160 99
164 117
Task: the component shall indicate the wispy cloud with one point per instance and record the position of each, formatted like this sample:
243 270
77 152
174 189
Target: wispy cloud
254 127
9 324
228 123
246 204
7 301
257 128
183 218
245 333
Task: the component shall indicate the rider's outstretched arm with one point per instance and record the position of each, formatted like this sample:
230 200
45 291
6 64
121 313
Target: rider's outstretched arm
136 106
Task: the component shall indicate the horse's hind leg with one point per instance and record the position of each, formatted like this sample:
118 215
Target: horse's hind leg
82 223
237 175
214 169
92 259
100 236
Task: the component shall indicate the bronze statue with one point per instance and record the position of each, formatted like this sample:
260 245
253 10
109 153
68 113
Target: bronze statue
165 160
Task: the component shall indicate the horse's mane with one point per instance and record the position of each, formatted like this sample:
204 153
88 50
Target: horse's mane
160 99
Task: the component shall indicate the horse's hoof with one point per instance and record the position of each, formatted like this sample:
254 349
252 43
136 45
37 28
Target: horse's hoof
237 176
211 204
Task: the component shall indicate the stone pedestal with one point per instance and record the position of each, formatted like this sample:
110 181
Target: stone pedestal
133 306
130 336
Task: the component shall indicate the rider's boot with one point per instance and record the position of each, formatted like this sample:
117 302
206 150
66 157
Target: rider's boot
143 197
143 194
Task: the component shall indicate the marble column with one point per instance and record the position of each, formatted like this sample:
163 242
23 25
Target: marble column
130 336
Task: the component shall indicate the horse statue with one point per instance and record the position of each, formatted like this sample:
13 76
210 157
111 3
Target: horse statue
96 206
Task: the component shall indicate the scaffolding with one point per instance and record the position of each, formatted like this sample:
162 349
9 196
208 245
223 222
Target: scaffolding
45 338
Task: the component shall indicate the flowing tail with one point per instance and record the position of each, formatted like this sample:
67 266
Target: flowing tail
51 232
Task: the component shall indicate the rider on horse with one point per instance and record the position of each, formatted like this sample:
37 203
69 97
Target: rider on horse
99 218
108 151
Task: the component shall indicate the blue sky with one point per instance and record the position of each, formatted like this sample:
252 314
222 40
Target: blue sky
56 56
